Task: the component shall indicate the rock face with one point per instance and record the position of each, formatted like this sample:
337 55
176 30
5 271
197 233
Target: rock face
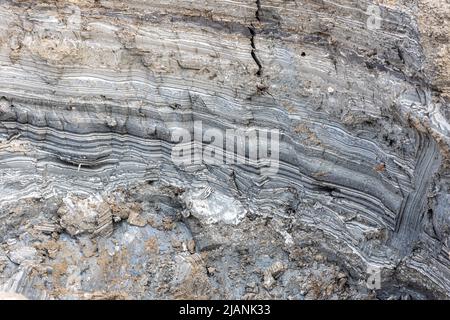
92 204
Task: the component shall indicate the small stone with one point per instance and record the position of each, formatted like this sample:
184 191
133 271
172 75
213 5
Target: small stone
211 270
51 248
342 283
22 254
80 215
15 43
175 243
191 246
276 269
88 248
152 245
269 281
10 242
136 220
186 213
251 287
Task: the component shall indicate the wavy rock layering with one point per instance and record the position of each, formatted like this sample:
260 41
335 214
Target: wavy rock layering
91 205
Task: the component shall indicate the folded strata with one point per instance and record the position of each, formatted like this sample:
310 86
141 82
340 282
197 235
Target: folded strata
92 204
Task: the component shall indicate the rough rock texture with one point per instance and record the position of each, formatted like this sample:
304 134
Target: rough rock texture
92 207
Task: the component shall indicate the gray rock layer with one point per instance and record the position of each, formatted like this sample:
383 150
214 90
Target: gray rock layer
92 206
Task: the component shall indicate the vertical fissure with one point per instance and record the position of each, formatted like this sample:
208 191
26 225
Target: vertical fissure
252 30
254 50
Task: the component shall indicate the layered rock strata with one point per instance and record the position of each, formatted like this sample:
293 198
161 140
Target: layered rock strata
93 206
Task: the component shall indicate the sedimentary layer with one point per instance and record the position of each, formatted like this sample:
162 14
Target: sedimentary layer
91 92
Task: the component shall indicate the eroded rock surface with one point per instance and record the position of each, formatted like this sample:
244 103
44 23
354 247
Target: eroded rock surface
93 207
